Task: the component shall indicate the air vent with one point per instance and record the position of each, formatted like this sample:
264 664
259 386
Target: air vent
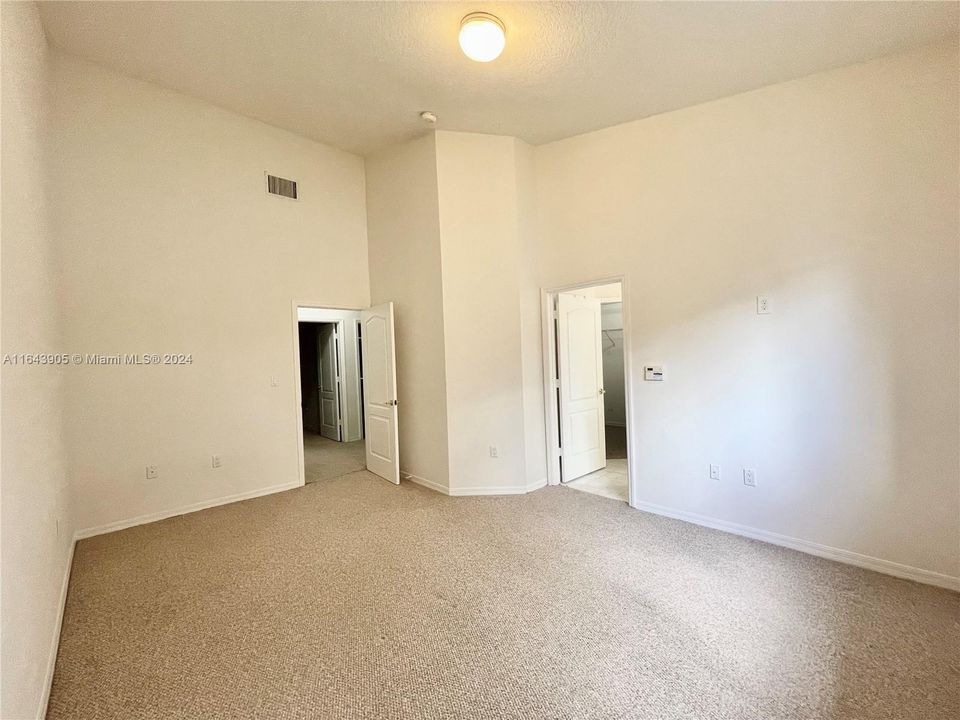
282 186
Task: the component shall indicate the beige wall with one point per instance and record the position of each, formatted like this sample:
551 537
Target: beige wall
169 243
481 311
531 327
834 195
404 234
451 224
837 196
34 496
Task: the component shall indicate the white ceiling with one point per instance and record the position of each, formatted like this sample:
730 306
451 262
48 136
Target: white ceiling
356 75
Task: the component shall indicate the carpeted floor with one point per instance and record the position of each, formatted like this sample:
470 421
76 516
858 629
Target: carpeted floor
354 598
324 459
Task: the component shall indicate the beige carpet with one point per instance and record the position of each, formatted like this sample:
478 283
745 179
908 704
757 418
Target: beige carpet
353 598
324 459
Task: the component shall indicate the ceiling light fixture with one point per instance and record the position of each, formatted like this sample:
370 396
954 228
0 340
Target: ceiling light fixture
482 36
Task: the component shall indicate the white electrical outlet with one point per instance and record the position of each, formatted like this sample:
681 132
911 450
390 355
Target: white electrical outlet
763 305
714 472
750 477
153 472
216 461
494 452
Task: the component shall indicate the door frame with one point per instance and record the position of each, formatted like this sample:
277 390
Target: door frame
297 395
551 405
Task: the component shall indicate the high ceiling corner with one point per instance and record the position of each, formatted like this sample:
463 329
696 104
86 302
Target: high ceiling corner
356 75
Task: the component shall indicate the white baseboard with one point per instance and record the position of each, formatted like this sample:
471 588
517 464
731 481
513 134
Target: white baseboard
848 557
497 489
430 484
185 510
475 490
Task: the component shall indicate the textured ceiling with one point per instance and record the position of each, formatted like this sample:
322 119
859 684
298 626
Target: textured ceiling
356 75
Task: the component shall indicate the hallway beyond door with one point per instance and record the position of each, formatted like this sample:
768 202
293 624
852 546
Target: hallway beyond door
325 459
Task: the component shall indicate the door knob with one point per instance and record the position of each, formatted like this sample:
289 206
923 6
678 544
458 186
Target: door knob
602 391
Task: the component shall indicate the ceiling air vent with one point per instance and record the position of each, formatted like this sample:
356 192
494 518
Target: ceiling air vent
282 187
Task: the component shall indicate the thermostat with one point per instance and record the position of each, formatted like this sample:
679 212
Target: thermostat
653 372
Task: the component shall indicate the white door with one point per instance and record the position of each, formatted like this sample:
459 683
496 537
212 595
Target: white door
329 381
380 392
580 364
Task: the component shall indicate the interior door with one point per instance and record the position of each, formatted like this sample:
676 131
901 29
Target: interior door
580 365
380 392
328 382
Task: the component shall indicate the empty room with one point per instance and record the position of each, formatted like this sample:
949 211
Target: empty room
572 360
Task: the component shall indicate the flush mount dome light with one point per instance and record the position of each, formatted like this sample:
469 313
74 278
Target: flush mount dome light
482 36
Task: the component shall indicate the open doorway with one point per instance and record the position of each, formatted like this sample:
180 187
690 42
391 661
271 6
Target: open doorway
330 394
587 410
330 400
345 371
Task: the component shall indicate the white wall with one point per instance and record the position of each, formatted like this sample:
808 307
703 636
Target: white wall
481 309
531 326
404 231
352 414
837 196
34 495
168 242
451 221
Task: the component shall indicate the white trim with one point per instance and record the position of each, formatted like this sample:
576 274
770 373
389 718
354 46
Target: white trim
185 510
847 557
494 490
536 484
548 317
551 427
479 490
475 490
429 484
298 398
55 642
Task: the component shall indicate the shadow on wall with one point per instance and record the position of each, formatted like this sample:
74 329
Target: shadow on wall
833 397
309 385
